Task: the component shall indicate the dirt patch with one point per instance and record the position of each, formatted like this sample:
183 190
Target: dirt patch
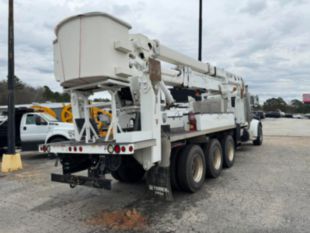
120 220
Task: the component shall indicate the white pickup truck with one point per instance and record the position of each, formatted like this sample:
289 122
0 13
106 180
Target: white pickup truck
33 128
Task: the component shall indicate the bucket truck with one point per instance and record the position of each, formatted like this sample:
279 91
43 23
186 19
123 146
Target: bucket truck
175 120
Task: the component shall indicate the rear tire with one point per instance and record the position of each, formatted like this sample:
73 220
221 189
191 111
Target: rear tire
214 158
259 139
130 171
116 176
175 154
191 168
228 146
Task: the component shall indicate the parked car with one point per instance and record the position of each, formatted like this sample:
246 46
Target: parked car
288 115
33 128
259 115
298 116
273 114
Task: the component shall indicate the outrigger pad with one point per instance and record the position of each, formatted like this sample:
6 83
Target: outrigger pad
158 182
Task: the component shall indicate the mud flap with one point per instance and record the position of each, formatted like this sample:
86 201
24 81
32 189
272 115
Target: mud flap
158 182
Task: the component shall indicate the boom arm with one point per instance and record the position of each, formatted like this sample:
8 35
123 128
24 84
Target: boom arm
188 72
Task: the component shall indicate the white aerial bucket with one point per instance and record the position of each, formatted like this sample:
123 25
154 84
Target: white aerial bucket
91 48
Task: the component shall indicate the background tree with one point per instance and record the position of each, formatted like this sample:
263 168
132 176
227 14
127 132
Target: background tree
297 106
26 94
275 104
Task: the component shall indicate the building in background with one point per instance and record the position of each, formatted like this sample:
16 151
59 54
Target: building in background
306 98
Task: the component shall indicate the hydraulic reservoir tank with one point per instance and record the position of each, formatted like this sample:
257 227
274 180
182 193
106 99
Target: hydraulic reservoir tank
90 48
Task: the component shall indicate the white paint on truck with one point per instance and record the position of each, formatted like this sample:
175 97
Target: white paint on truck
37 126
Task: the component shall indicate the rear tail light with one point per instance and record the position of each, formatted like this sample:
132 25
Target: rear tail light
81 149
130 148
44 148
70 148
75 149
117 149
123 148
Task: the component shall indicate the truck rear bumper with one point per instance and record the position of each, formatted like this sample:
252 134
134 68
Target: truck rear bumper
82 180
100 147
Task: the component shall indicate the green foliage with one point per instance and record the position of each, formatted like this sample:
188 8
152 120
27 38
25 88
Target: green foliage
25 94
295 106
55 96
298 106
275 104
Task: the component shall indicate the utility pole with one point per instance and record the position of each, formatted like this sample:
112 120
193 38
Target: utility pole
11 82
200 31
12 160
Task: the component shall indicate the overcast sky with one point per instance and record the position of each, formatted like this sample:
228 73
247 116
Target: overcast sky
266 42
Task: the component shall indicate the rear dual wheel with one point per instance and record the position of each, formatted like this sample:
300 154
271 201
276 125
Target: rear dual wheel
219 155
175 153
191 164
191 168
130 171
214 158
228 146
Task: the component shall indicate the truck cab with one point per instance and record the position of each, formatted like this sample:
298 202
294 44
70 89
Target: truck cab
35 126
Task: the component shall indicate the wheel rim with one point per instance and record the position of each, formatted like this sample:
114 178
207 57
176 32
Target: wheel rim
231 152
197 168
217 159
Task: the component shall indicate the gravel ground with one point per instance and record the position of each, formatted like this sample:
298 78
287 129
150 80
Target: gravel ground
267 190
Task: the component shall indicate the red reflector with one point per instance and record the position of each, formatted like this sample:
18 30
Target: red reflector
117 149
70 149
75 149
130 148
191 116
192 121
123 149
80 149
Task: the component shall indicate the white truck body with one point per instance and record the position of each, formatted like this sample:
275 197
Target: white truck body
154 109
